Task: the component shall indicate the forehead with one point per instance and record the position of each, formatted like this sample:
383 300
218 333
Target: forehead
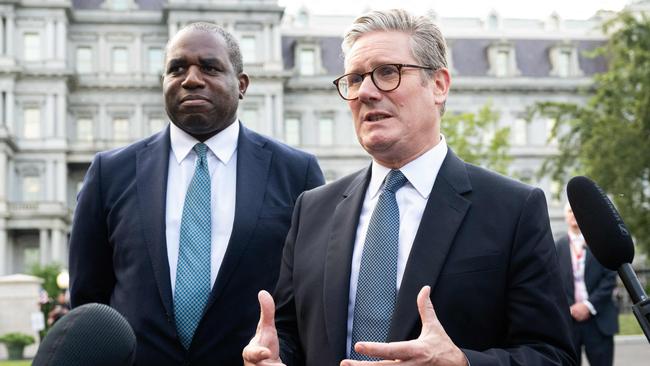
377 48
197 43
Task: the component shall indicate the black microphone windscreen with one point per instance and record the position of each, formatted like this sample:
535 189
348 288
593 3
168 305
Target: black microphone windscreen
600 223
92 334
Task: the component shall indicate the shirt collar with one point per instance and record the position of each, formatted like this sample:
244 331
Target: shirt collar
421 172
222 145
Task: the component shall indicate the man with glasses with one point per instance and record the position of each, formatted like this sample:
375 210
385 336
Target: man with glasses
419 259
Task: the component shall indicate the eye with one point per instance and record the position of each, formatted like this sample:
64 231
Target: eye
175 69
386 71
210 69
353 79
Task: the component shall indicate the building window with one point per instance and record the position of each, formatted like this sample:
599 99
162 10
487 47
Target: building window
84 60
250 118
502 60
325 131
31 123
31 188
564 61
564 64
156 124
155 61
502 63
119 4
248 49
120 60
551 132
32 44
307 61
292 131
121 129
84 129
519 132
556 191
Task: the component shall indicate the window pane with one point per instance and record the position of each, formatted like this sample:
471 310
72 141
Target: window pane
31 188
248 49
155 61
84 129
32 123
32 43
156 124
120 129
325 132
307 62
292 131
250 118
519 132
502 63
564 63
84 60
120 4
120 60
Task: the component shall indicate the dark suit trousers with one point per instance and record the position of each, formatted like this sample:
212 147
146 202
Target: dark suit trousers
598 346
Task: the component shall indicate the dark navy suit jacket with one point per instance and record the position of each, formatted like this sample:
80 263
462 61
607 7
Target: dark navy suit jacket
118 252
600 283
484 245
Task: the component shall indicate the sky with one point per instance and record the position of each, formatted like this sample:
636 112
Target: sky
534 9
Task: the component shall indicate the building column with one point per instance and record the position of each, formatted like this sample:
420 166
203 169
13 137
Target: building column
268 115
3 101
103 54
278 128
3 178
61 180
58 248
268 44
49 179
50 41
276 43
2 44
9 111
60 130
137 57
60 40
4 253
44 247
50 117
138 123
10 35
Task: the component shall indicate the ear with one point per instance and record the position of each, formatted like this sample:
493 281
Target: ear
243 84
441 83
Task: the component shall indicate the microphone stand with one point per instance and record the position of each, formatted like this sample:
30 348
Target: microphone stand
641 307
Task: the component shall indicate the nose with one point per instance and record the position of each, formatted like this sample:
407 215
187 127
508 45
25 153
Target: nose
193 78
368 91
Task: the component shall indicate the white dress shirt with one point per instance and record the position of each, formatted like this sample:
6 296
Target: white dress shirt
411 200
578 249
222 165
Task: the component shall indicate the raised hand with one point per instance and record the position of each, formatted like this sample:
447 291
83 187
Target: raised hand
432 347
264 348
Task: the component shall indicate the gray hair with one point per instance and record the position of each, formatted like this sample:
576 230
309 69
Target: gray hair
428 46
427 43
234 53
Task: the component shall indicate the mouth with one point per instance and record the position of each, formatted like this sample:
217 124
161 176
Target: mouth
194 100
376 116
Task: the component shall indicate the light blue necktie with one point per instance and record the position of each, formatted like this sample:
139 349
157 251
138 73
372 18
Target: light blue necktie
193 271
377 284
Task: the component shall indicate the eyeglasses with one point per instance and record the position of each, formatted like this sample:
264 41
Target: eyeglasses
385 77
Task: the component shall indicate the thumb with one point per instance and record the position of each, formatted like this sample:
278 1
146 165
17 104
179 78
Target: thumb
267 310
425 308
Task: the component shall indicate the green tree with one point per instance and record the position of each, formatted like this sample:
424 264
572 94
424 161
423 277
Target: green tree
477 138
48 273
608 138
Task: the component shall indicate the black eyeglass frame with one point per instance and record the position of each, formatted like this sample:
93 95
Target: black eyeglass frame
372 77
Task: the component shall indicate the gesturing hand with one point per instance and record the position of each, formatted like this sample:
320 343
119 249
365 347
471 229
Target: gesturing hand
264 348
432 347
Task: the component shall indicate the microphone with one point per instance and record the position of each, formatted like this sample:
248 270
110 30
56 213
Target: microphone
92 334
609 240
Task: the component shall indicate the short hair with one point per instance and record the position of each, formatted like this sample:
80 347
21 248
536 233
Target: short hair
234 53
428 46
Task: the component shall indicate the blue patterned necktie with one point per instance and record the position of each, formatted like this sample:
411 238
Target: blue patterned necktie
377 284
193 269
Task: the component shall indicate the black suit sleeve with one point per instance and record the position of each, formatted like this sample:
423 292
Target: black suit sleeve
602 293
91 264
285 313
538 329
314 176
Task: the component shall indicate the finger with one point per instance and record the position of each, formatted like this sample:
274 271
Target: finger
404 350
267 310
425 308
255 354
371 363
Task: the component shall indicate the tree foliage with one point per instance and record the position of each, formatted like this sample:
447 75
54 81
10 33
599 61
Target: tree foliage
477 138
608 139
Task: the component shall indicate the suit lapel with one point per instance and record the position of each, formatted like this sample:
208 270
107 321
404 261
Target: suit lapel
338 262
443 214
566 265
151 178
253 162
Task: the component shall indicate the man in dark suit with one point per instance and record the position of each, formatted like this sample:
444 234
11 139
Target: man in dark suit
369 257
179 231
588 286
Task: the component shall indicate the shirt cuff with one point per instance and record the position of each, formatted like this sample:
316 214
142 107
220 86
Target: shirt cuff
592 309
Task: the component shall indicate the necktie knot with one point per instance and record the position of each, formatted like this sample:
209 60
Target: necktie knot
394 181
201 150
